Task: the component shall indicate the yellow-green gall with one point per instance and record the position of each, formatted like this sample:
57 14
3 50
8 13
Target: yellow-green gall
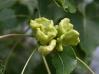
45 30
34 24
59 46
44 50
70 38
64 26
41 36
52 36
42 20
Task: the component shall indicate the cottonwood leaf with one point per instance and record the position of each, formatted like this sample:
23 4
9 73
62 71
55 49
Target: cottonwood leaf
64 62
6 3
67 5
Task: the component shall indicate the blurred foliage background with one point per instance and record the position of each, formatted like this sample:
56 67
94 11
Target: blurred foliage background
15 50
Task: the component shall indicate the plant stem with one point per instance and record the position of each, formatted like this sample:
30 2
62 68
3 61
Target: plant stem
46 65
81 61
27 62
12 35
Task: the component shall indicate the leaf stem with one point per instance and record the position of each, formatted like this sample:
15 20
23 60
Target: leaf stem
46 65
81 61
27 62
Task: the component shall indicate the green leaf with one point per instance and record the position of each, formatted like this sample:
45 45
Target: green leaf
50 10
69 5
6 3
64 62
31 4
17 60
1 68
88 25
91 37
7 19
